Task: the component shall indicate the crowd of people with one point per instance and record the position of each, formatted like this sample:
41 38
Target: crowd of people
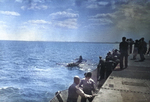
140 47
86 86
105 67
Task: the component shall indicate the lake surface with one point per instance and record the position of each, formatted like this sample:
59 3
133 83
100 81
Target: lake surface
34 71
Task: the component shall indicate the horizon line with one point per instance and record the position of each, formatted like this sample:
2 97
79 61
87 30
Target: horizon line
61 41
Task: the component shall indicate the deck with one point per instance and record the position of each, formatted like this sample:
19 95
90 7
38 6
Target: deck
129 85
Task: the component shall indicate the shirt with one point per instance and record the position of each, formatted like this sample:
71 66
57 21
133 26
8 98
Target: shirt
88 85
123 47
74 91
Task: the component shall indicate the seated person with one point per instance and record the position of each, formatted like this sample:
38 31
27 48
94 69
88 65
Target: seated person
109 56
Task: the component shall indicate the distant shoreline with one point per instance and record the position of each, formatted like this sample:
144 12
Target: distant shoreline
63 41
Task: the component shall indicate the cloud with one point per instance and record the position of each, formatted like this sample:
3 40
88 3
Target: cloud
31 1
128 17
93 6
5 36
63 14
10 13
29 35
131 20
3 25
104 15
101 19
4 32
2 22
25 32
64 19
19 1
103 3
69 23
38 22
34 6
133 17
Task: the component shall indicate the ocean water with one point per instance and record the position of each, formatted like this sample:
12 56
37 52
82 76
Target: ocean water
34 71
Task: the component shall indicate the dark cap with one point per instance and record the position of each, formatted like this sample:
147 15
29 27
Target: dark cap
88 74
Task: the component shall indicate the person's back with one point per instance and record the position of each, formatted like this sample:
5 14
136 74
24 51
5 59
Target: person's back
123 46
142 49
101 61
136 44
74 91
72 94
109 66
115 53
109 56
100 69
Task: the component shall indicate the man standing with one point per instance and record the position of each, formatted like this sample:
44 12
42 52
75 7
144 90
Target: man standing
123 46
88 85
74 91
101 69
142 49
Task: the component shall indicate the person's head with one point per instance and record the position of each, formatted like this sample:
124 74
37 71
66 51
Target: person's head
136 41
100 57
116 50
123 38
88 75
142 39
80 57
109 53
76 80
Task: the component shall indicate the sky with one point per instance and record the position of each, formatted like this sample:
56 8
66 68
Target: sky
74 20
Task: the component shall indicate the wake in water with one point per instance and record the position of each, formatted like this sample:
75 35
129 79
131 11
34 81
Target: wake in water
85 65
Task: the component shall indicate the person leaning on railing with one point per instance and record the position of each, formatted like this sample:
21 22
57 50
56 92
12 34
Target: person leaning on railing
89 87
74 91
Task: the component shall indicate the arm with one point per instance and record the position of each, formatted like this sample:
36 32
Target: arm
94 86
82 94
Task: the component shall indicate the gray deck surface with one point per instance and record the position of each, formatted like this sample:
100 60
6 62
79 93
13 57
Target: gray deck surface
129 85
